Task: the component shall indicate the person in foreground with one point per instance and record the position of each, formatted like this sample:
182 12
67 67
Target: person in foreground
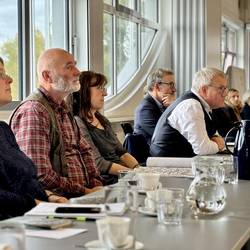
161 93
110 156
19 188
186 129
47 132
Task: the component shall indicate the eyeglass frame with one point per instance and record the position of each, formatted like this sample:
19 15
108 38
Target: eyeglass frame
221 89
102 88
170 84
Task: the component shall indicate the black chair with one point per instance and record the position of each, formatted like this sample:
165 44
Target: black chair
127 128
137 146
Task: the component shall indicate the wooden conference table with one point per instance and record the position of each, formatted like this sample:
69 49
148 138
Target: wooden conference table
228 230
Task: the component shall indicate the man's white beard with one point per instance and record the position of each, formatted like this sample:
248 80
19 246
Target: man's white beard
63 86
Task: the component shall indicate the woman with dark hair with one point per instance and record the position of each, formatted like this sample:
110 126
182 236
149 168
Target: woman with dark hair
19 187
110 156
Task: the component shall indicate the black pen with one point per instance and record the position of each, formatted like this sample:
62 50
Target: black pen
77 218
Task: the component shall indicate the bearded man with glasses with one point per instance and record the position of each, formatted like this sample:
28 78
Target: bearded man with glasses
186 128
160 94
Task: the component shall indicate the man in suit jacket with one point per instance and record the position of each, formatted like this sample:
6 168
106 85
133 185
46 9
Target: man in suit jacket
161 93
186 128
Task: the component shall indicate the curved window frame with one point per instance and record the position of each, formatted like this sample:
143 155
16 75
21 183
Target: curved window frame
132 15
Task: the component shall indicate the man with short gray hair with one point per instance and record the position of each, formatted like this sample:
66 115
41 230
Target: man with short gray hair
161 93
186 129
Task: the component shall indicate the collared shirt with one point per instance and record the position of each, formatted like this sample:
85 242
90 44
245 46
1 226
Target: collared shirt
31 126
188 119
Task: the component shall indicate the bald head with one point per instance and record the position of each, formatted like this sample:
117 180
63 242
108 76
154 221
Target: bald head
57 72
49 61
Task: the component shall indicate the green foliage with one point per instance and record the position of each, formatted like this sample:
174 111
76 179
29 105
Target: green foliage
9 52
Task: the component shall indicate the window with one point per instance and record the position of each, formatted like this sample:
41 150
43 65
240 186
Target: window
33 26
126 56
49 28
232 44
228 47
129 28
9 42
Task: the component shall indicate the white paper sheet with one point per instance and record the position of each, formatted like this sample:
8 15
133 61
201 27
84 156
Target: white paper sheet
54 234
169 162
48 208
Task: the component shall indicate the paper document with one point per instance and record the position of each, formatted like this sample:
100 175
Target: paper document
169 162
47 208
54 234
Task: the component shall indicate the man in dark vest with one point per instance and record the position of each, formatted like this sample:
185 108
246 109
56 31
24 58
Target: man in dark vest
46 131
161 93
185 128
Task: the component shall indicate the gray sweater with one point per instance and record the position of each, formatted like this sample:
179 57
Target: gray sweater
107 149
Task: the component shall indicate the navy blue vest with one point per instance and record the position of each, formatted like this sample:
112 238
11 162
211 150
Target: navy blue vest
167 141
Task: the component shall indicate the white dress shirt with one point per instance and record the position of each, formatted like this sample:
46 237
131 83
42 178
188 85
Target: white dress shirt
188 118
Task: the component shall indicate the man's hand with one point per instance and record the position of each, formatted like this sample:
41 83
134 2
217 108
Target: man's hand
57 199
168 99
219 141
91 190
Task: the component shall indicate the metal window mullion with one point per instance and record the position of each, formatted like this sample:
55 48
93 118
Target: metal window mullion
67 22
71 29
114 87
24 47
138 28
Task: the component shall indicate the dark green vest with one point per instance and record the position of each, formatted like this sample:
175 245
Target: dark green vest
57 155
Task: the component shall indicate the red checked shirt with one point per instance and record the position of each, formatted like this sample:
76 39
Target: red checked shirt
31 126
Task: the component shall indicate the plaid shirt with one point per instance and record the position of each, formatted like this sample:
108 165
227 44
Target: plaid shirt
31 126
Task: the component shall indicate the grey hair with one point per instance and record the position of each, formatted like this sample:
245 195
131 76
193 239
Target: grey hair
156 76
205 76
246 97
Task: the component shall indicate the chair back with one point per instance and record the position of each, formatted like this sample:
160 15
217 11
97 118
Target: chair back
137 146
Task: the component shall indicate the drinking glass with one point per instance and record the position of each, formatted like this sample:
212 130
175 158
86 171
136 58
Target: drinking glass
231 170
170 205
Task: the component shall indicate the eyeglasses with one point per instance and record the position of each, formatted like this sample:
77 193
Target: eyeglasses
102 88
170 84
221 89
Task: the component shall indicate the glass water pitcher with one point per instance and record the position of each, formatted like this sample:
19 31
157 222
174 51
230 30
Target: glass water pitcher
206 194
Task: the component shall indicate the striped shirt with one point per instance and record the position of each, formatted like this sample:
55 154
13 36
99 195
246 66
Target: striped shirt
31 126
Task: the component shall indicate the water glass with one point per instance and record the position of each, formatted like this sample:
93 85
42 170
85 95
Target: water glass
12 235
128 177
231 170
114 194
170 205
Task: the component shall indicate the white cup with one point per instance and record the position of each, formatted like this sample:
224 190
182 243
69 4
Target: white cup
12 236
113 231
148 181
